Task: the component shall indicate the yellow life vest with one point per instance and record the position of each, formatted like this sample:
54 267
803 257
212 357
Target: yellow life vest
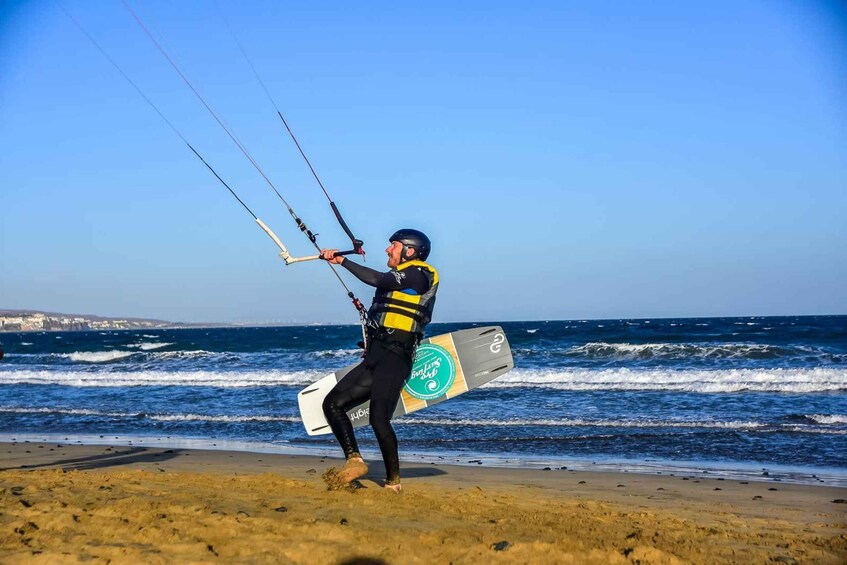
408 312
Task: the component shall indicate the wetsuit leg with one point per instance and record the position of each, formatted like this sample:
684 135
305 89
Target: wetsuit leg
378 378
389 375
353 389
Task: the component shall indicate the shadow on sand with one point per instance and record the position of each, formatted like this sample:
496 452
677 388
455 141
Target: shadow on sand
110 458
420 472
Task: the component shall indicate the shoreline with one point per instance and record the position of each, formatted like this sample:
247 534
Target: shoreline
739 471
140 503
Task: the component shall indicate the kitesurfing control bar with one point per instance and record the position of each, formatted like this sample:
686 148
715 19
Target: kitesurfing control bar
357 243
285 255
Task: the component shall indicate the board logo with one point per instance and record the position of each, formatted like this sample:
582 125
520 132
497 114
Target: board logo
432 374
497 343
360 413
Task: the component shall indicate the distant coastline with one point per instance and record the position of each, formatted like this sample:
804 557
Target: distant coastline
39 321
14 321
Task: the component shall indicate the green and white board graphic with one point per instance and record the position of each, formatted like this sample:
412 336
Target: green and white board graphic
445 366
433 373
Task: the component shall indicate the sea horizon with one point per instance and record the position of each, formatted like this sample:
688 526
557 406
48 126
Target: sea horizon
259 323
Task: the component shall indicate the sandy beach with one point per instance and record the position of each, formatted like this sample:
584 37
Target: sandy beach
74 503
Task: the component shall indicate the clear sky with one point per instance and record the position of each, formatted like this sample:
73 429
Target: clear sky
568 159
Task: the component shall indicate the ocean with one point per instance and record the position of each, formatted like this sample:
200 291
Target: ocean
755 397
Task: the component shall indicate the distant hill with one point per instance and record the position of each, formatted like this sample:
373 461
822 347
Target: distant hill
37 320
4 313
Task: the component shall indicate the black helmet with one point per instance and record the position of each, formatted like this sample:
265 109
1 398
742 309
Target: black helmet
413 238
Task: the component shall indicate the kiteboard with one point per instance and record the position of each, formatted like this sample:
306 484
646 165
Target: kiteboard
445 366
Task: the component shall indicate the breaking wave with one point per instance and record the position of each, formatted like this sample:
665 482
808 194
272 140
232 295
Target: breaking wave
95 356
338 353
688 352
226 419
185 354
721 381
162 378
748 426
141 352
687 380
828 419
146 346
68 411
578 422
155 417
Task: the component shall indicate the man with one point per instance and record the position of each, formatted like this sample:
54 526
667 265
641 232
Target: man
401 309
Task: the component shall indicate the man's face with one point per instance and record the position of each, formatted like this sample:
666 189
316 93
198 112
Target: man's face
395 253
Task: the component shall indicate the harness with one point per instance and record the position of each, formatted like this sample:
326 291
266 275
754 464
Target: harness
394 309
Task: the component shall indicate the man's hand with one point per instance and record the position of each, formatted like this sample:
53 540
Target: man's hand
329 255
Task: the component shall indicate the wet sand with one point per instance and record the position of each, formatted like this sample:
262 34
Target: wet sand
64 503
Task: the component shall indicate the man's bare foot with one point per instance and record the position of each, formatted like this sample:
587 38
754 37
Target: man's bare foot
352 469
395 487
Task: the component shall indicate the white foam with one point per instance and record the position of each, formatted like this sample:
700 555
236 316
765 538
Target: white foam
69 411
146 346
817 431
95 356
720 381
228 419
464 422
687 350
189 354
162 378
828 418
586 423
338 353
699 381
26 343
409 420
532 331
157 417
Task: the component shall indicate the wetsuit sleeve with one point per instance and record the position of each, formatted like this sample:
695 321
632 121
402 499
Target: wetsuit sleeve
410 278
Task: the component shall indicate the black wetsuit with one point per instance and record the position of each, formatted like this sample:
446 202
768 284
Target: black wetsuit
381 374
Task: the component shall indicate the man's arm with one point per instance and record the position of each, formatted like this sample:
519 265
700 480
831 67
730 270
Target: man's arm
369 276
392 280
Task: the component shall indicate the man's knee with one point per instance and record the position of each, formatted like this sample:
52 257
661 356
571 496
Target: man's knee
330 404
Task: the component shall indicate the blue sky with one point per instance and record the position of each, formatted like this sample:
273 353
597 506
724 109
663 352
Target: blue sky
569 160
